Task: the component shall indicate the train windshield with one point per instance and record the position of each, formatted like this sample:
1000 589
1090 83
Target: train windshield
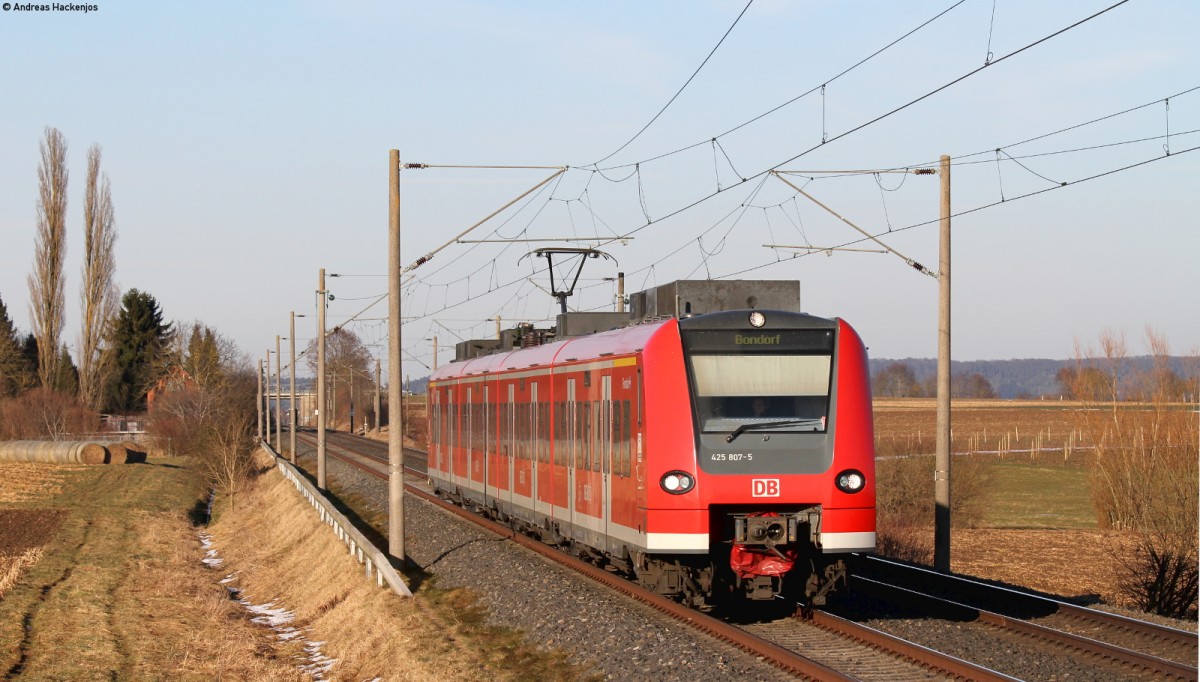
761 392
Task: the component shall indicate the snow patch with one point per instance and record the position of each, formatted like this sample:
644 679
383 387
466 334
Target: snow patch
273 616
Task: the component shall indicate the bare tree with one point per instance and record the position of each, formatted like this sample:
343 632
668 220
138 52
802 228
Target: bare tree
46 300
98 293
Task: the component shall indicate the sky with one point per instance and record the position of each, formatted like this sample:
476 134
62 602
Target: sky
247 148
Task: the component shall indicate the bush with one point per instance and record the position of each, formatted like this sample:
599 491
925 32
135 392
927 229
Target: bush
43 413
212 424
1146 477
904 503
1162 576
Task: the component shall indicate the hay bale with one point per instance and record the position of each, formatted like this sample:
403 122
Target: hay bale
91 452
134 452
54 451
117 453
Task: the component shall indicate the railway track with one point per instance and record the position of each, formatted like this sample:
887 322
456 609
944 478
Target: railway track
835 648
1138 646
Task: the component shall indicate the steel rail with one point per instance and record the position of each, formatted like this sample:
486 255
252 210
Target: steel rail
1026 600
925 657
1109 652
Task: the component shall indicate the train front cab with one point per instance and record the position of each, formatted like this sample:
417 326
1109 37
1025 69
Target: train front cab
779 447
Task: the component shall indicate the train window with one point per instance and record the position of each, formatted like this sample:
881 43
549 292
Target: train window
502 427
626 439
616 437
488 424
606 436
523 427
582 419
597 434
603 435
558 431
791 392
543 427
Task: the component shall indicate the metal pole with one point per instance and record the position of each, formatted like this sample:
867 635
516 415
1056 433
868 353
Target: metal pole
260 401
941 474
278 397
395 387
378 387
435 364
293 413
321 411
267 397
620 292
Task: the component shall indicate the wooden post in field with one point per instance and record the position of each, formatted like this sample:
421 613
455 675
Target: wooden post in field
941 473
395 383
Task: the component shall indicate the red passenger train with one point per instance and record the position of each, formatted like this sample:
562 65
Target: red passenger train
729 454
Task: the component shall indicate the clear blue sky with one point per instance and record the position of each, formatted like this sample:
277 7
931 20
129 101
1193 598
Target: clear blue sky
247 147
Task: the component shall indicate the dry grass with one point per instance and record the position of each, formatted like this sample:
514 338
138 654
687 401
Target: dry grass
1042 431
11 567
283 554
28 482
119 593
1074 563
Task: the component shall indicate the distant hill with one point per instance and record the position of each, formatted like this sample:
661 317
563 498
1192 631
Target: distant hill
1014 378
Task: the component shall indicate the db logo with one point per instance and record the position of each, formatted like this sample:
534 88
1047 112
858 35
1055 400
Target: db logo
764 487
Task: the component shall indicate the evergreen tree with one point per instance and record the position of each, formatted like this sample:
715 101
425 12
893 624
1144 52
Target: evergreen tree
202 358
139 338
30 355
15 375
66 374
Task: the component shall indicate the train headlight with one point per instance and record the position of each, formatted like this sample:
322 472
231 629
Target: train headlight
851 481
677 482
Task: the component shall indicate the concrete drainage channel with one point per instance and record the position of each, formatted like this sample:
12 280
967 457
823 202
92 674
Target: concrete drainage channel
377 564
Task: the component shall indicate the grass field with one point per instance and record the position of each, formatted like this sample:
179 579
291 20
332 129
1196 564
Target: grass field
1034 496
1027 469
101 578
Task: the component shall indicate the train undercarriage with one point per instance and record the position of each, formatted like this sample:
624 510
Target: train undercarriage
763 556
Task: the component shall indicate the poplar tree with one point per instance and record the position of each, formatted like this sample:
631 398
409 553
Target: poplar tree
97 292
46 299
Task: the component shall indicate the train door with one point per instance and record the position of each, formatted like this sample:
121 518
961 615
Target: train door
451 433
572 450
535 439
485 451
605 454
469 435
510 445
435 429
